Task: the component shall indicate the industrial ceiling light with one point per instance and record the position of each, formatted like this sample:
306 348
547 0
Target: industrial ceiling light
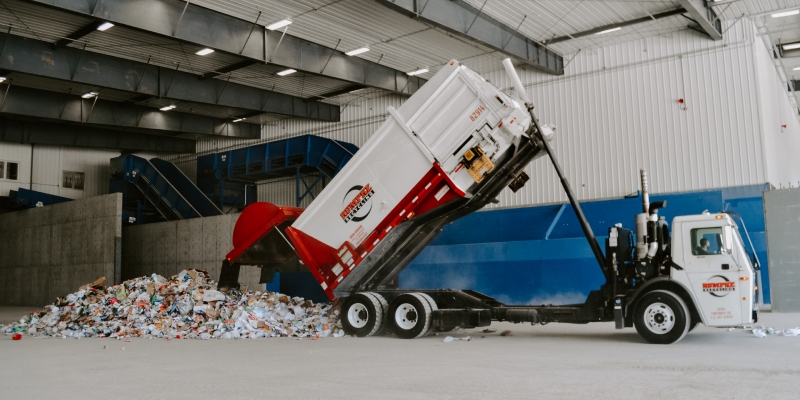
2 79
204 52
167 108
104 26
795 69
791 46
287 72
278 25
89 95
785 13
608 30
417 72
239 119
357 51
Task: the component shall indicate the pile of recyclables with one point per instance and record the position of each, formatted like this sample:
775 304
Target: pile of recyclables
188 305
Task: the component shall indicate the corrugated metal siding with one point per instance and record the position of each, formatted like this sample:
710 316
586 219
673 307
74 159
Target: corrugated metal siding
284 191
18 153
48 166
781 144
50 162
616 110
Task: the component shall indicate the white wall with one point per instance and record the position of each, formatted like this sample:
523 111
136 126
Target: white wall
781 144
48 164
19 153
616 110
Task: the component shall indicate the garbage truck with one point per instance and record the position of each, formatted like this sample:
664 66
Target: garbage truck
450 150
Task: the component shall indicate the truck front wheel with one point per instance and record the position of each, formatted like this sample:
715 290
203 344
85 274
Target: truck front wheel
661 317
362 315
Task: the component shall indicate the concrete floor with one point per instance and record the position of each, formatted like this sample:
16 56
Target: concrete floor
550 362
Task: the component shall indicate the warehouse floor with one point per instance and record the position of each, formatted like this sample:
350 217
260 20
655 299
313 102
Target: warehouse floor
553 361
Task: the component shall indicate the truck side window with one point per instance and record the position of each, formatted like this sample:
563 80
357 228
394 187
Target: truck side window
706 241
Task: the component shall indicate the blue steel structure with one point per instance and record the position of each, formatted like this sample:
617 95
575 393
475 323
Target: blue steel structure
156 188
538 255
26 198
229 178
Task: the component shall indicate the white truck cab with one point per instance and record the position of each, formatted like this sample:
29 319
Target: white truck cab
711 262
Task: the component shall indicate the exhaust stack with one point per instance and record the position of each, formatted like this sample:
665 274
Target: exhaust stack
645 194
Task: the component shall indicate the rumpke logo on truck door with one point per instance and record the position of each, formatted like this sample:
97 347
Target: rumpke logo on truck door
719 286
356 208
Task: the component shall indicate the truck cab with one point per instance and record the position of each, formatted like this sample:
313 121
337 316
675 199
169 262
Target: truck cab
711 262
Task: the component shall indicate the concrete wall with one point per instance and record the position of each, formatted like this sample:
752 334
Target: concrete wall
51 251
166 248
782 215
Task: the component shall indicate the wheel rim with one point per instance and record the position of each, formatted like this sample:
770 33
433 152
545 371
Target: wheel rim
659 318
406 316
358 315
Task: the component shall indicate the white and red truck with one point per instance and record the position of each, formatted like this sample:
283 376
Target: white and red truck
449 150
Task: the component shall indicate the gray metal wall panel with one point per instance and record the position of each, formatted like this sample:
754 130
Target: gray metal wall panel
782 217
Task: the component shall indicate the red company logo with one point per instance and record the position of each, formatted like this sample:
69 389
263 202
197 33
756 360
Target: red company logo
475 114
357 203
719 288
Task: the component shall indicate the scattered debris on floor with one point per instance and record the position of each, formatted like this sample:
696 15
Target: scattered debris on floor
766 331
188 305
450 339
507 333
489 330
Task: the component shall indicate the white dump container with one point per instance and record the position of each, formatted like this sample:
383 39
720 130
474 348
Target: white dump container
434 148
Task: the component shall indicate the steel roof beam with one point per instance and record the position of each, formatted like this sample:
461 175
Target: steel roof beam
54 106
89 28
705 16
204 27
462 19
339 92
59 134
229 69
35 57
599 29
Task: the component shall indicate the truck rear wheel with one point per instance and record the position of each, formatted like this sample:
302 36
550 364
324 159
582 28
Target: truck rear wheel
661 317
362 315
409 316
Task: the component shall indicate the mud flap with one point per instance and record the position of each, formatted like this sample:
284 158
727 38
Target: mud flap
229 275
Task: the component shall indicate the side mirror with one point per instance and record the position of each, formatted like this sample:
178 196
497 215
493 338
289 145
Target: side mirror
727 240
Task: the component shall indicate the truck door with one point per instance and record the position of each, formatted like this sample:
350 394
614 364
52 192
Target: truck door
713 274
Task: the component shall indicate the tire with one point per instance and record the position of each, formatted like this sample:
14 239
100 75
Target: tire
693 325
362 315
384 308
409 316
430 301
661 317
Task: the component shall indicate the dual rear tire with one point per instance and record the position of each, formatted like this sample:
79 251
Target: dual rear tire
363 313
408 316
